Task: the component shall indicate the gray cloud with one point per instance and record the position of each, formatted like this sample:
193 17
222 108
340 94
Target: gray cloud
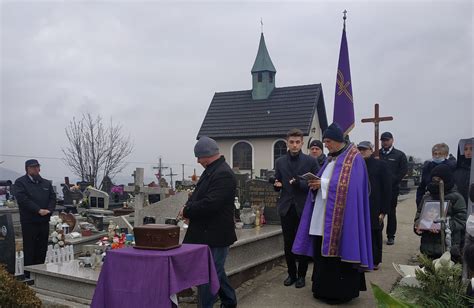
155 66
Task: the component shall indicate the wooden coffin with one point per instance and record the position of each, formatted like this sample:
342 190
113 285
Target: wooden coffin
156 236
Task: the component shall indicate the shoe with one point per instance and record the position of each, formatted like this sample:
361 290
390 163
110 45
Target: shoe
300 283
390 241
289 281
376 267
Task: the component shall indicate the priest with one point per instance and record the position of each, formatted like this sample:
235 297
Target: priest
335 227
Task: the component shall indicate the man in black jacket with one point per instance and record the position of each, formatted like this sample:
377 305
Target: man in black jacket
294 191
36 201
379 198
210 210
398 165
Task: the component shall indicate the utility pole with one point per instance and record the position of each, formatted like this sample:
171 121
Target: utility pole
182 167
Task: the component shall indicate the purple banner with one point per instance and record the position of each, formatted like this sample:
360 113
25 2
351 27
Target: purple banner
343 102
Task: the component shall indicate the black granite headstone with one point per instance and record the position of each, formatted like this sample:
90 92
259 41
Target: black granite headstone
7 242
107 185
70 196
261 194
97 221
83 185
241 180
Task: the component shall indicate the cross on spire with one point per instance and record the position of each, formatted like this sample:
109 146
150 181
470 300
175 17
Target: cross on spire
261 24
344 18
376 120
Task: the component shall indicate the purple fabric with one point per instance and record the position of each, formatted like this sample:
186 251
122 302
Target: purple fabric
146 278
343 101
355 243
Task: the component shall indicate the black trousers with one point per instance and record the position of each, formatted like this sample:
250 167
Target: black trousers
289 226
392 215
377 245
35 242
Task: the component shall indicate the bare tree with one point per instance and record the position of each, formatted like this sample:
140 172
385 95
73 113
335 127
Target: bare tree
95 150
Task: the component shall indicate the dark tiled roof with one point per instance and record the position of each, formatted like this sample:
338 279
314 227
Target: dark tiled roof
236 114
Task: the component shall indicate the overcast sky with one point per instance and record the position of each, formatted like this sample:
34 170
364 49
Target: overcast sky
155 66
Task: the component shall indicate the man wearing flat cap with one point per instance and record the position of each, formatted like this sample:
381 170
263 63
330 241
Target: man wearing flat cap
210 210
397 163
335 225
380 196
36 201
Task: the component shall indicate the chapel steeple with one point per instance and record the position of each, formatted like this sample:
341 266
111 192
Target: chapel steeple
263 73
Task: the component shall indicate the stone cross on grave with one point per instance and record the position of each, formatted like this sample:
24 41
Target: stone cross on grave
376 120
141 192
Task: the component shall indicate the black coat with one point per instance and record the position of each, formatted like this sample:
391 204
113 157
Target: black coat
31 197
380 189
426 178
210 208
462 175
286 168
398 165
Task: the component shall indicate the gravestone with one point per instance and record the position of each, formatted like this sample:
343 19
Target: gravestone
261 194
71 196
83 185
241 180
167 208
97 198
97 221
107 185
7 242
140 192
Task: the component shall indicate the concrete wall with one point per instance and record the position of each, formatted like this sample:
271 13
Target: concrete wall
262 149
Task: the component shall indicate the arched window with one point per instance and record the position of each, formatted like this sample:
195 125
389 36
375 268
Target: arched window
259 76
270 75
242 156
279 150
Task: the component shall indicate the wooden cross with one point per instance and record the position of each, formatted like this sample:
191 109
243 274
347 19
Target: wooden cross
171 175
376 120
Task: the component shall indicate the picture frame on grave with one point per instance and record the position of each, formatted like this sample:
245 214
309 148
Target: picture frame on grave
430 212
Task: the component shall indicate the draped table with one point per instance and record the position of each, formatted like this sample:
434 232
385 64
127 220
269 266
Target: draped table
151 278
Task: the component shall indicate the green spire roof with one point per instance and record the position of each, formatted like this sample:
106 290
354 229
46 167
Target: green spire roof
263 61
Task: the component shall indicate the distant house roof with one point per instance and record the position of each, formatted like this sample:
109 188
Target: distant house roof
236 114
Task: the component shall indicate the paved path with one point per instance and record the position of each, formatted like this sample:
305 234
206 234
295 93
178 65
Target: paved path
267 290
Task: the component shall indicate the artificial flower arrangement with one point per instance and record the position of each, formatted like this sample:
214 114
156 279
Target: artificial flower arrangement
57 236
115 239
117 189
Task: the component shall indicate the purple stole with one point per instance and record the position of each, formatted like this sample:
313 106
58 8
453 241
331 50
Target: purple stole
347 227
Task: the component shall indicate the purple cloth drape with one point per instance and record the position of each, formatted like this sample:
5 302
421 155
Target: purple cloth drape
147 278
353 243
